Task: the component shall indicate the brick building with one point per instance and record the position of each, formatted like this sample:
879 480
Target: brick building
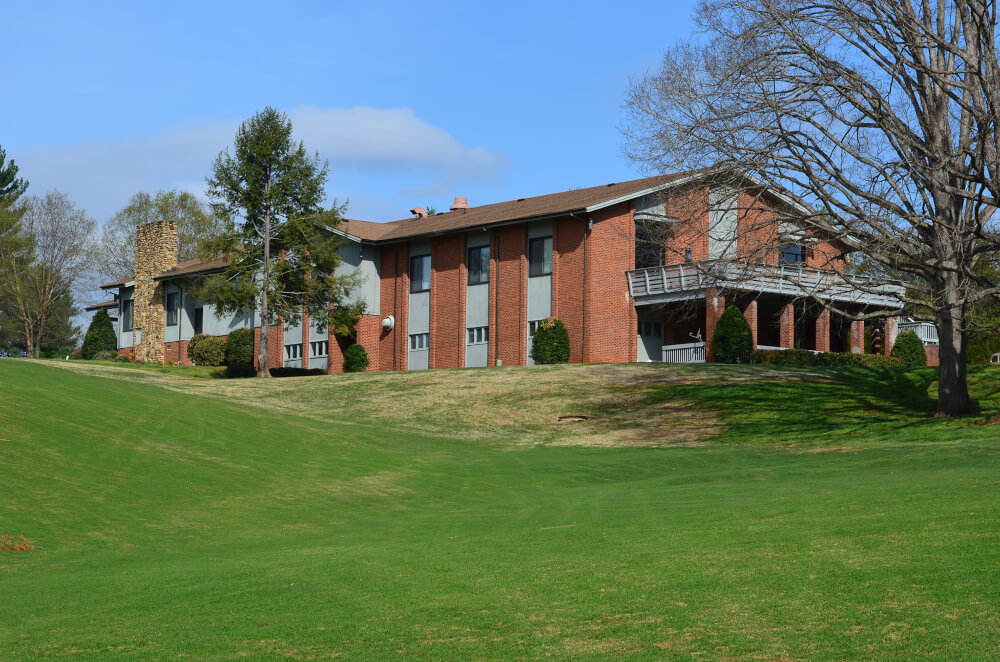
637 271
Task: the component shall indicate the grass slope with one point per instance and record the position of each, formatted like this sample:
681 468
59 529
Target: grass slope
188 523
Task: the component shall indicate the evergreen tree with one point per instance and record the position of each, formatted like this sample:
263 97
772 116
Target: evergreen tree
100 336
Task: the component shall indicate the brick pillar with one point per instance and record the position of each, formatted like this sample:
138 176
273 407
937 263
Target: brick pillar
750 314
890 332
715 305
823 331
787 327
857 337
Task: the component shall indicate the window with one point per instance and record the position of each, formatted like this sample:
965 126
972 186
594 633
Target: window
792 255
479 335
650 329
420 341
420 273
293 352
540 256
199 320
319 348
649 246
533 327
688 255
173 299
479 265
127 314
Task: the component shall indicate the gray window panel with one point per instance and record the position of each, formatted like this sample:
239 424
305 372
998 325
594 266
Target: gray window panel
479 335
792 255
173 307
127 314
540 256
420 341
319 348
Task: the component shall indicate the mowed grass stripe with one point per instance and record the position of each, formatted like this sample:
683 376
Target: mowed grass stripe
217 530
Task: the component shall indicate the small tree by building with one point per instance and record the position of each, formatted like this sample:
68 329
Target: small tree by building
909 348
355 359
732 340
100 336
551 342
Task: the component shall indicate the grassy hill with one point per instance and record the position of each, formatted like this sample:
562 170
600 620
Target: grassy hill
717 512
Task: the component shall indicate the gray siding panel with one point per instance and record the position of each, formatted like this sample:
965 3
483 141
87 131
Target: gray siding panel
124 337
477 356
359 260
477 305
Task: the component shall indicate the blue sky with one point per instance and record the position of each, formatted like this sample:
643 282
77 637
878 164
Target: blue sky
411 103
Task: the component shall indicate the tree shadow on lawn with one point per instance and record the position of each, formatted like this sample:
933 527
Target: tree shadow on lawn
823 406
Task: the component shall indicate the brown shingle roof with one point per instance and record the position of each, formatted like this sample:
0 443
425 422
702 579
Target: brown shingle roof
503 212
104 304
195 266
117 283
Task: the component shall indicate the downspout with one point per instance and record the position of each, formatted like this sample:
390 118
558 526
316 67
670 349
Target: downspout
583 341
496 305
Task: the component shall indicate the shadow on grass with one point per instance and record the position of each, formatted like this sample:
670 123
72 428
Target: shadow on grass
828 405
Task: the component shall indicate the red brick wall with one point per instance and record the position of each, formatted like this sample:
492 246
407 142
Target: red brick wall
369 332
448 302
395 274
932 355
690 207
787 323
823 331
511 282
567 277
715 305
611 316
750 314
275 345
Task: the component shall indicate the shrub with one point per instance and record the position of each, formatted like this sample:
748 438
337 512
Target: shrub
123 358
104 356
239 347
100 336
981 347
732 340
910 349
355 359
801 357
551 342
193 344
209 350
296 372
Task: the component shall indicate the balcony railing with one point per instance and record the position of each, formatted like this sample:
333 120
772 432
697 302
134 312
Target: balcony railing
926 331
689 281
692 352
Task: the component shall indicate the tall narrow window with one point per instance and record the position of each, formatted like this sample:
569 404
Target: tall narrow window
479 265
540 256
127 314
173 308
420 273
199 320
650 243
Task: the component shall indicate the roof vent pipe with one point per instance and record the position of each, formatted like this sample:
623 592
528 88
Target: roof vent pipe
460 203
419 212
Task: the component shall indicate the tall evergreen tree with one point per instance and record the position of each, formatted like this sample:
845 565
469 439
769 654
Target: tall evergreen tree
282 253
100 336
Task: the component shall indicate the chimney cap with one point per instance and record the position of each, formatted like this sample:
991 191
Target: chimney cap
419 212
461 202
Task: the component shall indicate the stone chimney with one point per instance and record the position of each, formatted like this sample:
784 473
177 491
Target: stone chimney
155 252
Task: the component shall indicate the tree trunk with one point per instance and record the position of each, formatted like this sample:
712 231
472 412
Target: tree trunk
263 367
953 387
39 332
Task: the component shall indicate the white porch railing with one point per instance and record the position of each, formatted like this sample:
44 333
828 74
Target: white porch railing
926 331
686 281
692 352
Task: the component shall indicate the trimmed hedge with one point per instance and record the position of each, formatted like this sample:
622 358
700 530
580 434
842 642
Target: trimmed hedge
551 342
355 358
732 339
239 347
910 349
296 372
805 358
209 350
100 336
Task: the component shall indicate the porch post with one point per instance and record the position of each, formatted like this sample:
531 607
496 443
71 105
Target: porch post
750 313
857 337
787 327
823 331
891 331
714 307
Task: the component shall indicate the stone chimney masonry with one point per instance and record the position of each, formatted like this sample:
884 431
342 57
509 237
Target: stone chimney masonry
155 252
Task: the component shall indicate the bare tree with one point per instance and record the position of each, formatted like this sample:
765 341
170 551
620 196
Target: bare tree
114 258
54 252
879 115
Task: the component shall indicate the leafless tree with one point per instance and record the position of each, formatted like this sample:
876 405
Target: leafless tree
55 250
879 115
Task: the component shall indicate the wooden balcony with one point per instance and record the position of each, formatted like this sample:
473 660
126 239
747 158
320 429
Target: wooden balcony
681 282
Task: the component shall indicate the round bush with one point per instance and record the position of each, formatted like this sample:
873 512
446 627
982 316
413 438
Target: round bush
551 342
193 344
909 348
732 340
100 336
355 359
209 350
239 347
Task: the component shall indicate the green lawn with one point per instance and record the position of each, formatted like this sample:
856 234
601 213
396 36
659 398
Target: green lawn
772 515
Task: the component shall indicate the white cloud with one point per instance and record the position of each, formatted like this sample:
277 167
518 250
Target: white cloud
382 147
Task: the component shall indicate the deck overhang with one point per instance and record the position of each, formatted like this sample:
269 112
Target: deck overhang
685 282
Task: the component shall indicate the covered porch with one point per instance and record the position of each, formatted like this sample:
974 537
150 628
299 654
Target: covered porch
678 306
